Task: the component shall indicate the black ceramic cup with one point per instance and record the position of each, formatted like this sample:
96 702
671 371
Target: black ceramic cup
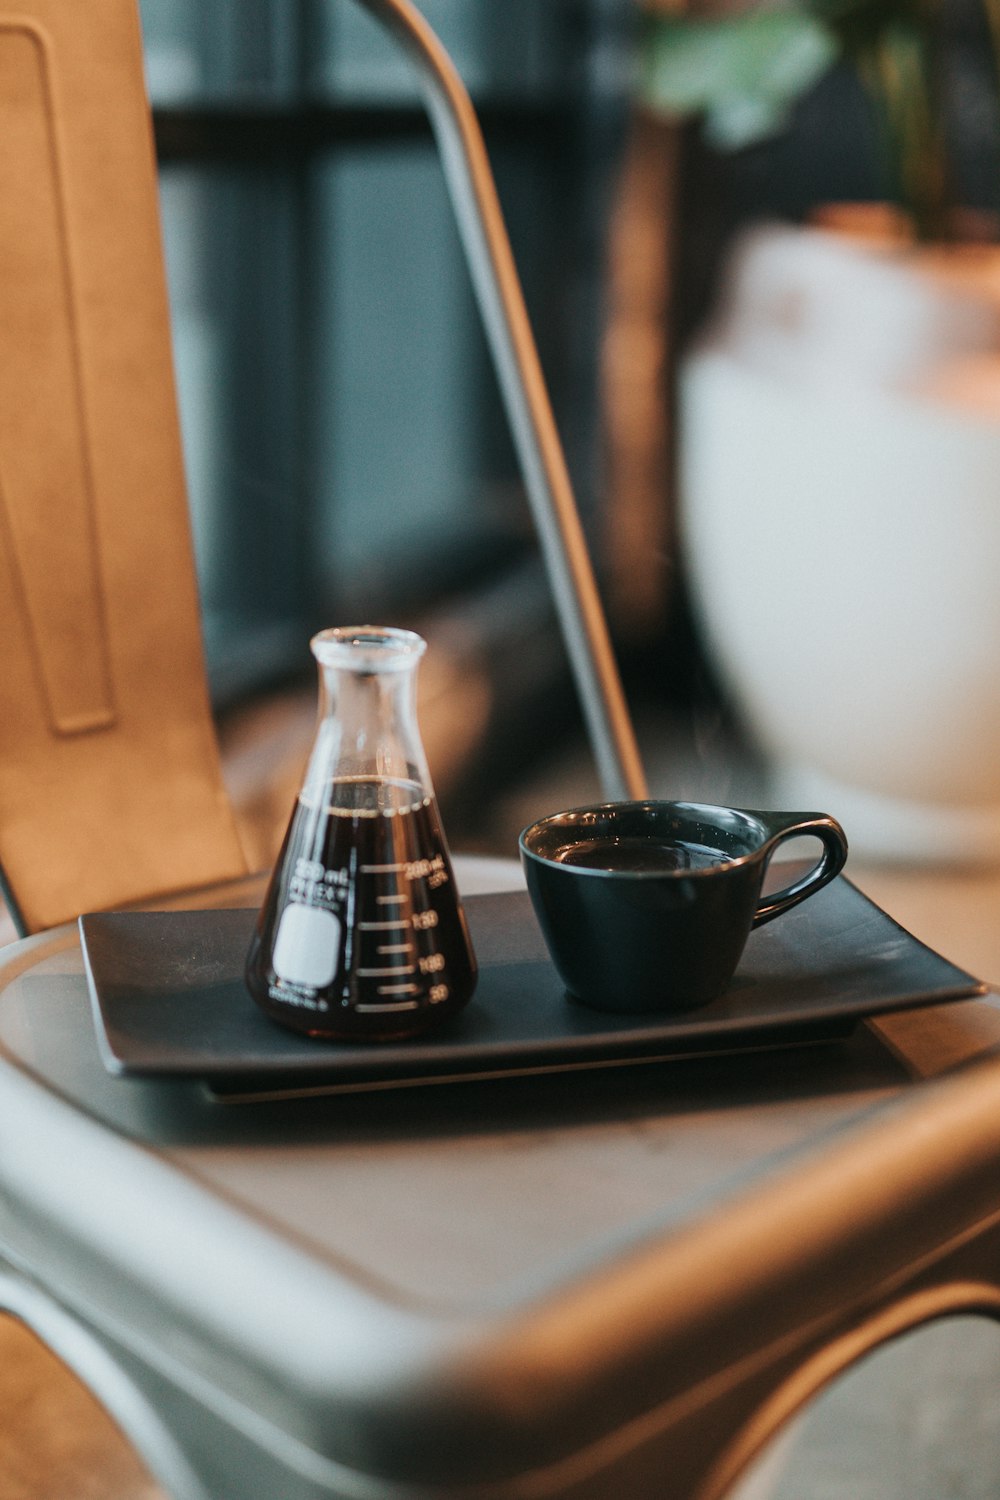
646 906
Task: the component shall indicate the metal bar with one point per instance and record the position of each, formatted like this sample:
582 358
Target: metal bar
543 464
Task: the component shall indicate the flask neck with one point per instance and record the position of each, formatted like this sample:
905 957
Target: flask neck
368 745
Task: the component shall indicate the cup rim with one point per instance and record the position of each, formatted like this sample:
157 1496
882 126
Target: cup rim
693 808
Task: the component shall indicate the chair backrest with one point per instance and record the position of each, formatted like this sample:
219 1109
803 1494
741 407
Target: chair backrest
110 783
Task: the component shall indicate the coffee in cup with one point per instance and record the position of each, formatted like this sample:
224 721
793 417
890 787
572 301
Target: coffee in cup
647 906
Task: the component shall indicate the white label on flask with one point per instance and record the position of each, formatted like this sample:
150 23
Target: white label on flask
307 946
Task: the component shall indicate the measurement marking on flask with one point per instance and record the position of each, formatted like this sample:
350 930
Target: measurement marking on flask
399 989
393 970
388 1005
381 926
390 900
382 869
394 948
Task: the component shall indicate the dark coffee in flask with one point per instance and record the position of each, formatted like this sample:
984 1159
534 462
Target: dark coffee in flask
362 933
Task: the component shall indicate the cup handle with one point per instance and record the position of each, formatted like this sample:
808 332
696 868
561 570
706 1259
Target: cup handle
782 826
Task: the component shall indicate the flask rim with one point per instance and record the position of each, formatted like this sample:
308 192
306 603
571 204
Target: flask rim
369 648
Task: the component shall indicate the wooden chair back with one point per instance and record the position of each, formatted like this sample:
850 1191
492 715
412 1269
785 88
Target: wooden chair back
110 782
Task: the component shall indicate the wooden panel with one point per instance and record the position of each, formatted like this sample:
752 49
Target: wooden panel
110 785
46 489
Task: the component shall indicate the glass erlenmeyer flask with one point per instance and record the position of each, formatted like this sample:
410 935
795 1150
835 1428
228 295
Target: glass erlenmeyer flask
362 933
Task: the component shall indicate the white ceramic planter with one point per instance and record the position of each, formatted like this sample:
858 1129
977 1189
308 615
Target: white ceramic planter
840 480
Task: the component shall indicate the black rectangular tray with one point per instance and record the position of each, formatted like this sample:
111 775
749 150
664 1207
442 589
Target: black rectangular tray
168 999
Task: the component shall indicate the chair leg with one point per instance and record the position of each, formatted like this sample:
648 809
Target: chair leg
74 1420
55 1436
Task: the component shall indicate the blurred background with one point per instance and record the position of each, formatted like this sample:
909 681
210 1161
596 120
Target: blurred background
347 452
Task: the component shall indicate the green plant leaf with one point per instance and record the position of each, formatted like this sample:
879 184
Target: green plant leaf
743 73
742 121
